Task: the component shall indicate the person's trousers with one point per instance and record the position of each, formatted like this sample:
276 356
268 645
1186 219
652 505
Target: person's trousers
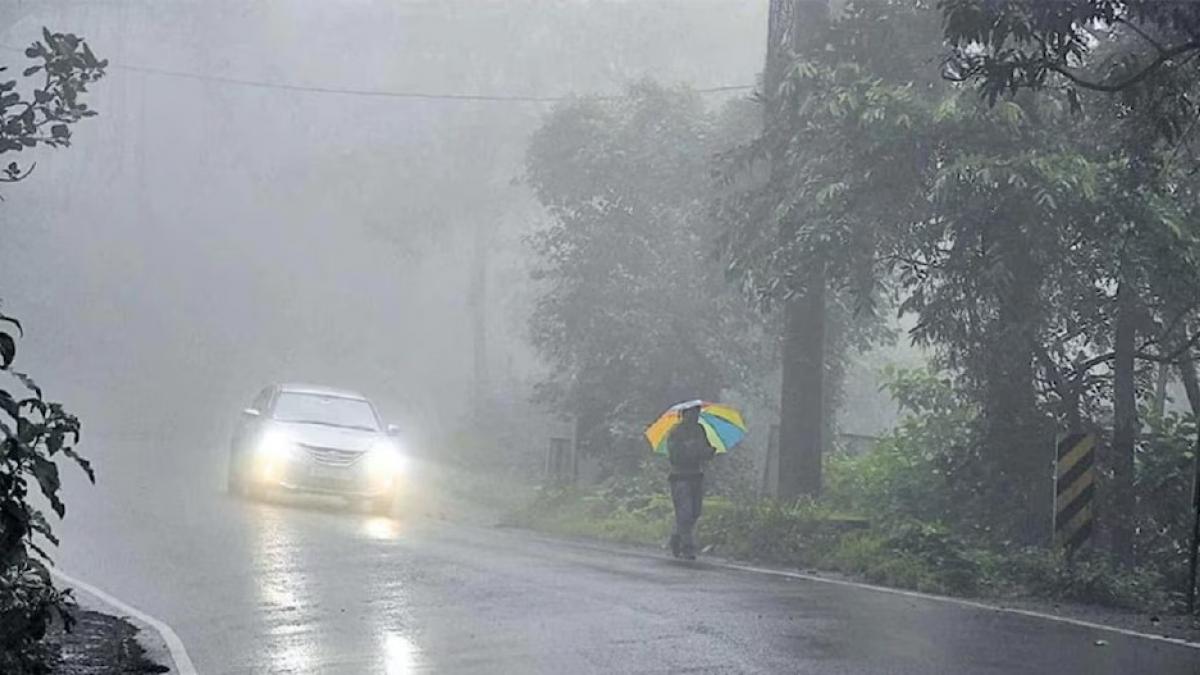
687 494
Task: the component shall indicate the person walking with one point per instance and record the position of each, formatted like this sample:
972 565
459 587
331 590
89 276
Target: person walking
688 450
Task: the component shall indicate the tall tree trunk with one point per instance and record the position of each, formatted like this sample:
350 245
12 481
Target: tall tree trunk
1017 440
1187 373
794 24
802 397
1125 421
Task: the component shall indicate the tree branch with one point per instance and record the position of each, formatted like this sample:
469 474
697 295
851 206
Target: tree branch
1174 356
1163 56
1158 46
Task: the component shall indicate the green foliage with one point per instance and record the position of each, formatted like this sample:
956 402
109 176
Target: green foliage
914 555
769 530
1090 579
902 553
36 432
927 468
1165 462
65 66
1005 230
634 315
1129 47
29 604
573 512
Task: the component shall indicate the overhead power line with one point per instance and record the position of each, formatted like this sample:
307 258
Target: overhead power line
373 93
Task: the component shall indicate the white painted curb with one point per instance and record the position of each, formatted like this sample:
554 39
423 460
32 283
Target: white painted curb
182 662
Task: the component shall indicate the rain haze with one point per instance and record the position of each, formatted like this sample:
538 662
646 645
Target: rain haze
577 336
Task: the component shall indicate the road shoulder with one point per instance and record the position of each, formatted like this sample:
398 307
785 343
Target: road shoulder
112 634
1176 629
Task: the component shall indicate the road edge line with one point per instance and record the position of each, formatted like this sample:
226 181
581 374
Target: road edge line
975 604
183 663
963 602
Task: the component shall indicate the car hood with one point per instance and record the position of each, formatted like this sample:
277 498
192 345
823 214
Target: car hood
323 436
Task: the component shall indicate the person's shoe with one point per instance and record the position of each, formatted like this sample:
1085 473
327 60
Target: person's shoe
675 550
689 555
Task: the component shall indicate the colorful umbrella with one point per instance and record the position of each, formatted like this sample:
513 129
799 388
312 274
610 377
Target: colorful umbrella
722 424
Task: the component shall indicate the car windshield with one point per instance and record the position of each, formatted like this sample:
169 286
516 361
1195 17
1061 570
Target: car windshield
336 411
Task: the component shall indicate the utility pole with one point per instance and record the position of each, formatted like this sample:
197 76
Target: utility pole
792 26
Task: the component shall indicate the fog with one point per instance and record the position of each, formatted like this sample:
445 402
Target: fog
202 238
704 336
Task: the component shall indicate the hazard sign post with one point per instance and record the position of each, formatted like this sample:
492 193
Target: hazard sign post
1074 490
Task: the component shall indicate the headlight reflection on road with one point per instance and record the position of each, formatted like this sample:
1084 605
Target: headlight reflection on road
401 656
284 594
381 528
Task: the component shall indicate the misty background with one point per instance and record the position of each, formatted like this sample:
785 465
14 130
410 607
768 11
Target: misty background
203 237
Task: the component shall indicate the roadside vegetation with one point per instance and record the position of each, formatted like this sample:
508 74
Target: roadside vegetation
37 433
900 515
1016 181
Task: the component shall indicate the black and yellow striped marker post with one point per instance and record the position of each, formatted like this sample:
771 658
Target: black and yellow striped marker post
1074 490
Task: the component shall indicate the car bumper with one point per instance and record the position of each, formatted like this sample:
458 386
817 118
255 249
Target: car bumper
346 481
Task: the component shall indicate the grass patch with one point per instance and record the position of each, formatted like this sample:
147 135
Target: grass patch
910 555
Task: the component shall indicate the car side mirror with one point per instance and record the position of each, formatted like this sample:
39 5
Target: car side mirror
251 412
393 430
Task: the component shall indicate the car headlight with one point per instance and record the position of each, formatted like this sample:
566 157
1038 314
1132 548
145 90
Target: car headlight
276 445
385 459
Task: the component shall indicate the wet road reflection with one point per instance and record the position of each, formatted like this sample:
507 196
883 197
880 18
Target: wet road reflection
322 602
284 594
400 655
308 586
381 528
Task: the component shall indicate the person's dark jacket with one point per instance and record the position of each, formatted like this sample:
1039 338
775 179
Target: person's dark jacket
688 449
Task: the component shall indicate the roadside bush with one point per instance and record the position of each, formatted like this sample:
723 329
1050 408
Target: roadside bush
913 555
919 489
768 530
635 490
733 475
867 555
1164 463
35 432
926 469
29 605
1089 578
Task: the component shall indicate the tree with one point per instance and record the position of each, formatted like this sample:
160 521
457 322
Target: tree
634 314
66 66
36 432
1137 58
1004 228
795 26
1016 44
1142 51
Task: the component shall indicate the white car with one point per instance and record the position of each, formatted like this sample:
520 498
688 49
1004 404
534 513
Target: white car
304 438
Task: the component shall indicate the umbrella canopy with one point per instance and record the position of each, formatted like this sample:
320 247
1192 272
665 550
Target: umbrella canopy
722 424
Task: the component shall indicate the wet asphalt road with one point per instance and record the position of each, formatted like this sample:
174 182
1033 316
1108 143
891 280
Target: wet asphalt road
309 587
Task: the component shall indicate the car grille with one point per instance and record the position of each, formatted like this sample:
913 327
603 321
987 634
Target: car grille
332 456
